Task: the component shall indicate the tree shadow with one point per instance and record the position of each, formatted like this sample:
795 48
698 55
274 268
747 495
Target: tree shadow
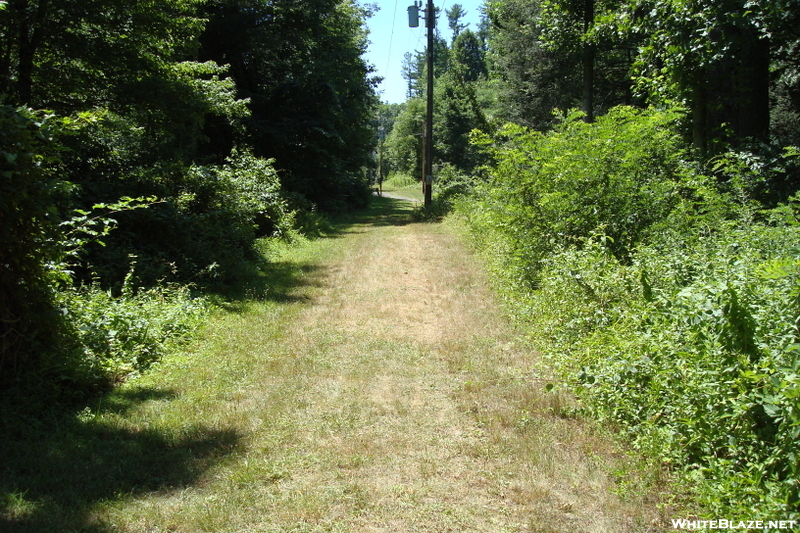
392 212
382 211
55 468
276 281
283 281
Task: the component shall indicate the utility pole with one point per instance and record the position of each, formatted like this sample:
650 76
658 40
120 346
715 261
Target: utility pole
427 147
381 136
427 166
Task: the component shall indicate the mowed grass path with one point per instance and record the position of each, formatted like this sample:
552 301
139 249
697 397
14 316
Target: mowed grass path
369 383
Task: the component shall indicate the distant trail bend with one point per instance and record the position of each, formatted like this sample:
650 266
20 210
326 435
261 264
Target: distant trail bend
396 196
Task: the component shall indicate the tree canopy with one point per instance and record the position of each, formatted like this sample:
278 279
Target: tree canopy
232 114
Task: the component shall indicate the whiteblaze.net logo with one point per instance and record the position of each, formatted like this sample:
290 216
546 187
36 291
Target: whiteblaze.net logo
682 523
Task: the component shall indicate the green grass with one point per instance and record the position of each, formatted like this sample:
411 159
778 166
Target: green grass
362 379
69 466
400 181
404 186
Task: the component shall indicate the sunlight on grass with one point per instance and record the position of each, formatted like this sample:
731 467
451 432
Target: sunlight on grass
373 387
412 192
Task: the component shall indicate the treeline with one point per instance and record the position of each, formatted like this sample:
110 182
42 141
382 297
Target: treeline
732 66
630 170
191 128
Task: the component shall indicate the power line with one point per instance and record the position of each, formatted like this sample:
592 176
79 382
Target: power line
391 36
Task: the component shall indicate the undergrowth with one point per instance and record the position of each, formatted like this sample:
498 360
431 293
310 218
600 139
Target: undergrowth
118 336
400 181
665 298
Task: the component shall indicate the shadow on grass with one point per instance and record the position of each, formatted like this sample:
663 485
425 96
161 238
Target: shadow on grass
382 211
282 281
277 281
57 466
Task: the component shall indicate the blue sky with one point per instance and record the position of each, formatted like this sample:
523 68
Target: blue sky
390 38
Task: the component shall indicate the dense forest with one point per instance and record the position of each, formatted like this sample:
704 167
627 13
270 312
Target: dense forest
628 168
192 129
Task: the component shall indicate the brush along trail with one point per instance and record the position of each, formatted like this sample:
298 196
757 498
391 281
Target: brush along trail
380 390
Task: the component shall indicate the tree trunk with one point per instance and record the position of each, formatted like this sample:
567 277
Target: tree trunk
752 87
30 35
588 63
700 114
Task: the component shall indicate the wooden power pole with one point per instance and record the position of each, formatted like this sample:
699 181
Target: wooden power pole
427 166
427 147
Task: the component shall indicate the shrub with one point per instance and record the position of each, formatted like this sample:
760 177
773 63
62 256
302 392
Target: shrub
701 367
28 226
116 336
667 300
616 177
204 231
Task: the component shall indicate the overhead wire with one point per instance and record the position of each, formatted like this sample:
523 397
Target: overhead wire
391 36
441 9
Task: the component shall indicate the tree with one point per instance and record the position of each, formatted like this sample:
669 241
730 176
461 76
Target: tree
311 93
186 100
412 70
713 55
467 58
554 54
458 110
404 143
384 125
532 80
454 15
587 60
457 114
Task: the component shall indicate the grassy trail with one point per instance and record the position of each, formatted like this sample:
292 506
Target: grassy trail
373 386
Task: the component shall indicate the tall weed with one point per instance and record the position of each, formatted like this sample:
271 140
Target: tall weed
701 367
669 303
118 336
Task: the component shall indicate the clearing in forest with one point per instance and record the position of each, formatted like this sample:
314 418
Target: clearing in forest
378 388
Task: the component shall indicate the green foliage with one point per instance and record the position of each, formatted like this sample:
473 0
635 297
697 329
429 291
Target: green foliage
28 226
699 362
404 144
456 115
449 189
311 94
458 110
401 180
160 94
682 330
682 39
715 57
257 190
451 185
467 57
536 53
616 178
85 227
204 230
116 336
731 64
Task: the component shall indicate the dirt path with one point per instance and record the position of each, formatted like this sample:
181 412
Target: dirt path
421 413
379 389
396 196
